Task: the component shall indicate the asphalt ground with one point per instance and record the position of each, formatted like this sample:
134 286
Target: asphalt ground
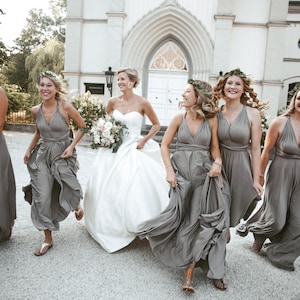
78 268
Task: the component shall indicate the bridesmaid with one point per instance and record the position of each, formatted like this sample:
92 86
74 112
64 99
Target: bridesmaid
192 231
239 133
51 160
7 179
279 216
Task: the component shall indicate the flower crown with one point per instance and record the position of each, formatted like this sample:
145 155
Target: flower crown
201 86
236 72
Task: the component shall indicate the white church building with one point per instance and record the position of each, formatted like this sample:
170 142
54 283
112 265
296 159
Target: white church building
170 41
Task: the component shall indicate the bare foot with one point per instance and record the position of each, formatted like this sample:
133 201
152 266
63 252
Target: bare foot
257 245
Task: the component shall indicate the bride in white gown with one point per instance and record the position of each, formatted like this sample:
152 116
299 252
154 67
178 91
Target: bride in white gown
127 187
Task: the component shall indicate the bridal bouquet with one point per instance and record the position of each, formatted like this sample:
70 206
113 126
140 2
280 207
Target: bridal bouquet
108 133
103 129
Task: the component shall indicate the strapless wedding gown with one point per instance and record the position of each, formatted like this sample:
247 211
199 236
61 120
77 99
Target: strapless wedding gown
125 188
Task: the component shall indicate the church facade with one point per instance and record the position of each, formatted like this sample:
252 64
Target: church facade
170 41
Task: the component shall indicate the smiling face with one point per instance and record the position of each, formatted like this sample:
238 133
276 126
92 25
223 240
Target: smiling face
297 102
234 88
189 96
47 89
124 82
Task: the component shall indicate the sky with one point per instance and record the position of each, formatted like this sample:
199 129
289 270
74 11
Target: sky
16 12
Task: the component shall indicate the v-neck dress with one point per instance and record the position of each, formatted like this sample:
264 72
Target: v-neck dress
234 142
7 191
124 188
193 228
55 187
279 216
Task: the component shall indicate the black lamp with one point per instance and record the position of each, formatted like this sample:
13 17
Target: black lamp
109 75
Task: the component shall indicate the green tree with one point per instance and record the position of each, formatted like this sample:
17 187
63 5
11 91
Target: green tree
40 28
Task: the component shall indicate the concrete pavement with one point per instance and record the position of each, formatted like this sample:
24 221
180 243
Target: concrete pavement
78 268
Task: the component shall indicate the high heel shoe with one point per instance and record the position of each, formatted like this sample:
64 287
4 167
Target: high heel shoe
188 285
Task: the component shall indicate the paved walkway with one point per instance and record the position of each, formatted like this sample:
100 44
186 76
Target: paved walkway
78 268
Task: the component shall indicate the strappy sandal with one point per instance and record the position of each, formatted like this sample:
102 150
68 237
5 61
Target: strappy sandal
43 249
220 284
79 214
188 285
242 230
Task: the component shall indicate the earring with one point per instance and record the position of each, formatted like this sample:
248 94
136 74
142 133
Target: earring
129 84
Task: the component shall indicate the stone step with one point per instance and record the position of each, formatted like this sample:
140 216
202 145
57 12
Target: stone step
158 137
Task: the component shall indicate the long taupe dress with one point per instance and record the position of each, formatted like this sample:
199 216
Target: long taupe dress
234 141
7 191
194 226
55 187
280 213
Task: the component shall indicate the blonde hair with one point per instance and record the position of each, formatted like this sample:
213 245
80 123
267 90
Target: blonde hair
204 106
132 74
291 107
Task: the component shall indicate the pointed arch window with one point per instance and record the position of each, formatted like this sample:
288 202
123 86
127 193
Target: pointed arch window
169 57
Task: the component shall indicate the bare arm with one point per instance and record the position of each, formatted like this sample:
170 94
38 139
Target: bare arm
36 135
215 169
273 134
256 131
165 151
150 113
73 114
3 108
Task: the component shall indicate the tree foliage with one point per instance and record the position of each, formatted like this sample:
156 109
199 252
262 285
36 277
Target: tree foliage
40 29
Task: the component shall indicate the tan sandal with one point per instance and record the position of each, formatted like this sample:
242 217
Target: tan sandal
188 285
79 214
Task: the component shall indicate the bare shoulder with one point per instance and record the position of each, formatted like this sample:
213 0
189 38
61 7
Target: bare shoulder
253 112
3 96
213 121
35 109
177 119
279 122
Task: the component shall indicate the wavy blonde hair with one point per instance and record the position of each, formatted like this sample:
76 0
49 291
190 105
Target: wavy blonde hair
291 108
204 106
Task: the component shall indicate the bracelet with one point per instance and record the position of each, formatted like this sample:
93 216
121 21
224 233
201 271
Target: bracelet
218 163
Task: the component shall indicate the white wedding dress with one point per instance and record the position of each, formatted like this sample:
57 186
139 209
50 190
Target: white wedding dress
125 188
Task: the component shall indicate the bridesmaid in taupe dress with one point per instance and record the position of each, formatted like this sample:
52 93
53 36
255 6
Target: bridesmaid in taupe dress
7 179
52 160
239 133
279 217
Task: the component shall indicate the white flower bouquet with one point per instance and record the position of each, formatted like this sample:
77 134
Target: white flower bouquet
103 129
108 133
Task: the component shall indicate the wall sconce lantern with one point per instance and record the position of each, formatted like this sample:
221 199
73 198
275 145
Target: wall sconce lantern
109 75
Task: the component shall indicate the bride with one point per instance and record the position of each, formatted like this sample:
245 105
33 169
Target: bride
127 187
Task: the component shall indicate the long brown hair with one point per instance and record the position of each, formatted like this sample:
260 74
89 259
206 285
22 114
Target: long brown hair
249 96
